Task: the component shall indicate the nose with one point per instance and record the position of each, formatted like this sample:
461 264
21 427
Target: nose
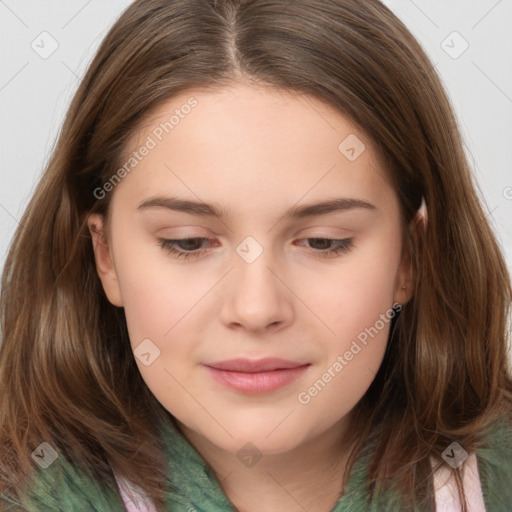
254 296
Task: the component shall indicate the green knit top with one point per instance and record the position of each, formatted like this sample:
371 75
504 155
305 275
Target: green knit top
62 487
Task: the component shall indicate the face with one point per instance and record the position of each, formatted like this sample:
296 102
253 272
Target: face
270 275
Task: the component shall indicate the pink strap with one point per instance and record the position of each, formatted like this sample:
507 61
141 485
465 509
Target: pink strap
134 499
447 496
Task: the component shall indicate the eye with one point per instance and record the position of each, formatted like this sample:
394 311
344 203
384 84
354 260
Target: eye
330 247
184 247
193 247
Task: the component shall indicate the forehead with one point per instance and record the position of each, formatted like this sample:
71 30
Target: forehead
252 145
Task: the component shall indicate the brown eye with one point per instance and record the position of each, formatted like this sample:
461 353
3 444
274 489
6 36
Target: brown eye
329 246
184 247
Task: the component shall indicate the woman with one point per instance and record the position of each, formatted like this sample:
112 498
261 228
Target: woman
132 359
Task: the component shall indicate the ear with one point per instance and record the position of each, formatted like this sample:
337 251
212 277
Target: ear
102 255
405 275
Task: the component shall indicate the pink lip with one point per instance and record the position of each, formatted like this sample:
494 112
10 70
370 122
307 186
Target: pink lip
256 376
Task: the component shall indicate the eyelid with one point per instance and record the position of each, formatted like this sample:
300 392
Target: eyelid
182 232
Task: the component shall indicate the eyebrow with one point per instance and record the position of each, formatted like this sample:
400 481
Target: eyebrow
295 212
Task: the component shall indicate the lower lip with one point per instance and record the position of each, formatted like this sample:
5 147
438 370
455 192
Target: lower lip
257 383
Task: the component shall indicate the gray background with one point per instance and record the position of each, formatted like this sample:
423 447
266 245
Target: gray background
36 87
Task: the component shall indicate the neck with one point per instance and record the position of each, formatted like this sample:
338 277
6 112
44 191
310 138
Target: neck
309 477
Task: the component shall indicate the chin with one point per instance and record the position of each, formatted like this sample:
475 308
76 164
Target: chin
281 440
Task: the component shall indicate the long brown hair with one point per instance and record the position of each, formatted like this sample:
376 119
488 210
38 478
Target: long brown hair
67 371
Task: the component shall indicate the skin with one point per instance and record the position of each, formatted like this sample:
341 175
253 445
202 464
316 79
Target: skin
256 152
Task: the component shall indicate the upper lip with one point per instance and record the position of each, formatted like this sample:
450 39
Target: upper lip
255 365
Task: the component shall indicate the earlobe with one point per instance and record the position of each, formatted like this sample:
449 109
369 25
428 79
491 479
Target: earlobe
104 264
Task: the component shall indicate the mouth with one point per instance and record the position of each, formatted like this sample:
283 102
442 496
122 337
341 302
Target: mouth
256 376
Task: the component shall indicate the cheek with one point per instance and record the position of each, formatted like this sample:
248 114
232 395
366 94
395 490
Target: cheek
158 294
356 292
163 315
355 303
337 388
167 312
351 357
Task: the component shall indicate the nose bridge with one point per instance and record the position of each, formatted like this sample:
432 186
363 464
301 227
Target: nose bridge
252 274
255 298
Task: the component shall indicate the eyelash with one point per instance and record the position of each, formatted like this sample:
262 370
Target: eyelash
170 246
